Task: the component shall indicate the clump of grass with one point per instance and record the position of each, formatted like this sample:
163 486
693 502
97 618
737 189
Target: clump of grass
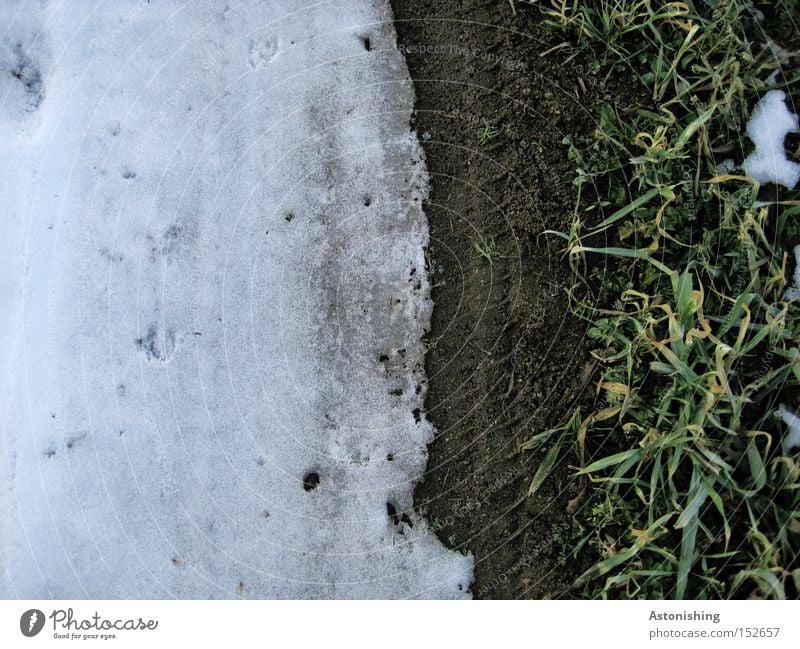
686 489
488 250
487 132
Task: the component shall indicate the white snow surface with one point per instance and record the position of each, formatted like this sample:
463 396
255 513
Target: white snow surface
213 286
768 126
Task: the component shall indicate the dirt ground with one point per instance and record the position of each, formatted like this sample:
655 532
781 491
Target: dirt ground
507 359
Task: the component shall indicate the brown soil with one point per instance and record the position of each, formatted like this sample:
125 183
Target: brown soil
507 359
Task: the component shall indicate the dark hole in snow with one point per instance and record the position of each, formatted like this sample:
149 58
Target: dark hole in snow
127 174
383 358
402 353
397 519
367 44
791 144
397 392
367 201
289 217
260 461
311 481
390 457
392 511
417 414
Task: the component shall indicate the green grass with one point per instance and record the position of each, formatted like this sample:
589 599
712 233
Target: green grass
488 250
487 132
685 489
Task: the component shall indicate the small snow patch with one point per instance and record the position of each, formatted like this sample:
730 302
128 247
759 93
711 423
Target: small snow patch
792 421
767 128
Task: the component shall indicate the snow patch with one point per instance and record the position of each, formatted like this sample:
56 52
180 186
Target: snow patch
212 298
792 438
768 126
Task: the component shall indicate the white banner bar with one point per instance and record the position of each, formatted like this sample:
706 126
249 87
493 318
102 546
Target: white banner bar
315 625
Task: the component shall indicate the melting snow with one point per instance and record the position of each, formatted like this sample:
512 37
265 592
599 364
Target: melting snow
792 421
770 123
213 292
